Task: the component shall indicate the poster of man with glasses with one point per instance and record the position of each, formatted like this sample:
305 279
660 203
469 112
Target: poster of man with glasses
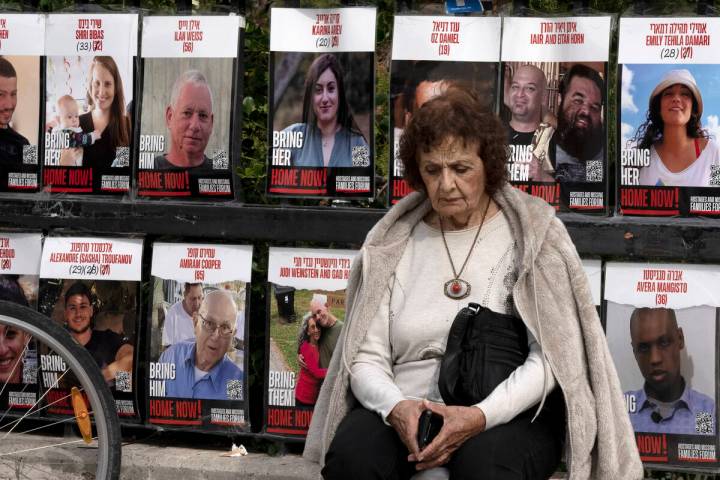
197 335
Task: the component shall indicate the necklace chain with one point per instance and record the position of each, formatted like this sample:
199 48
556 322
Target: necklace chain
472 247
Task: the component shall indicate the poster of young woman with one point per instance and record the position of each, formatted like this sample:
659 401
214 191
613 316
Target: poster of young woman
189 72
90 285
197 336
22 45
429 55
322 67
668 158
19 270
89 102
306 315
662 325
554 83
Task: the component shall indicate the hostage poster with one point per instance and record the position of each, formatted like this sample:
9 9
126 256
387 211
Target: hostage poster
90 286
19 270
21 49
198 336
189 66
306 315
554 81
668 158
430 55
661 328
89 80
322 65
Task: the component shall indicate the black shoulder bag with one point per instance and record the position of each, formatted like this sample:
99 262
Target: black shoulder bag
483 349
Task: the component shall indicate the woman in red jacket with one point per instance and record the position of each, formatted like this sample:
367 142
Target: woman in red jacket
311 376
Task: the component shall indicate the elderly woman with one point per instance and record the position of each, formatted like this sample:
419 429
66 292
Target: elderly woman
681 154
467 236
311 375
330 136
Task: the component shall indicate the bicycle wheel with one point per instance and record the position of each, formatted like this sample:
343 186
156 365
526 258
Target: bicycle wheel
90 397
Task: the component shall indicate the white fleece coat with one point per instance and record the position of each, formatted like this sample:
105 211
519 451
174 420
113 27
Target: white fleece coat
552 296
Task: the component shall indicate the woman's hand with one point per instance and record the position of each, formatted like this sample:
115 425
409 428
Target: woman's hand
404 419
459 424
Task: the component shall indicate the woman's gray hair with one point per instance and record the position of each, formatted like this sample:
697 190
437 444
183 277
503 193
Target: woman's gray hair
189 76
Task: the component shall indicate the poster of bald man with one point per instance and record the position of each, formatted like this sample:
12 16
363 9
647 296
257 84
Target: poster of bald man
554 91
197 333
21 51
431 54
321 102
305 319
187 129
662 325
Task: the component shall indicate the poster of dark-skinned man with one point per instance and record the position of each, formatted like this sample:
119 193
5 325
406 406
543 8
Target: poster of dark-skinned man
661 328
90 286
189 65
22 46
306 316
197 336
669 119
429 56
89 83
554 105
322 65
19 270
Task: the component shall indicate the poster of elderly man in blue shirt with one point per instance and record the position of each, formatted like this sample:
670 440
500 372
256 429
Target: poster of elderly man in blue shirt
197 336
661 327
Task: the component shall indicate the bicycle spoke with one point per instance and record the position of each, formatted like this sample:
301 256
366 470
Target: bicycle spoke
43 447
38 410
36 403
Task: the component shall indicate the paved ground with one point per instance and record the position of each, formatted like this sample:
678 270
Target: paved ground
147 460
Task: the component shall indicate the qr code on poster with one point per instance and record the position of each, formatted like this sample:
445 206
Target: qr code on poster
122 157
235 390
30 154
220 161
123 382
714 174
360 156
29 375
594 172
704 423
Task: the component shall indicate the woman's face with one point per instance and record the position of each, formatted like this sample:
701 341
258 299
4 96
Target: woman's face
676 105
102 87
12 347
454 178
313 330
325 97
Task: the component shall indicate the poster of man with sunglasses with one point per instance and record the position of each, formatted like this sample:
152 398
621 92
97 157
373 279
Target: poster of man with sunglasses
197 336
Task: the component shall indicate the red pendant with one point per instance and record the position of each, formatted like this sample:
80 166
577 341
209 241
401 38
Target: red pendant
456 289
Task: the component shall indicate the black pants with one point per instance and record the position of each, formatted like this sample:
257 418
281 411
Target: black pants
365 448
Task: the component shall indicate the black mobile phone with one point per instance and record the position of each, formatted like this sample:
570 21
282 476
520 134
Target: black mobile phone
429 426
